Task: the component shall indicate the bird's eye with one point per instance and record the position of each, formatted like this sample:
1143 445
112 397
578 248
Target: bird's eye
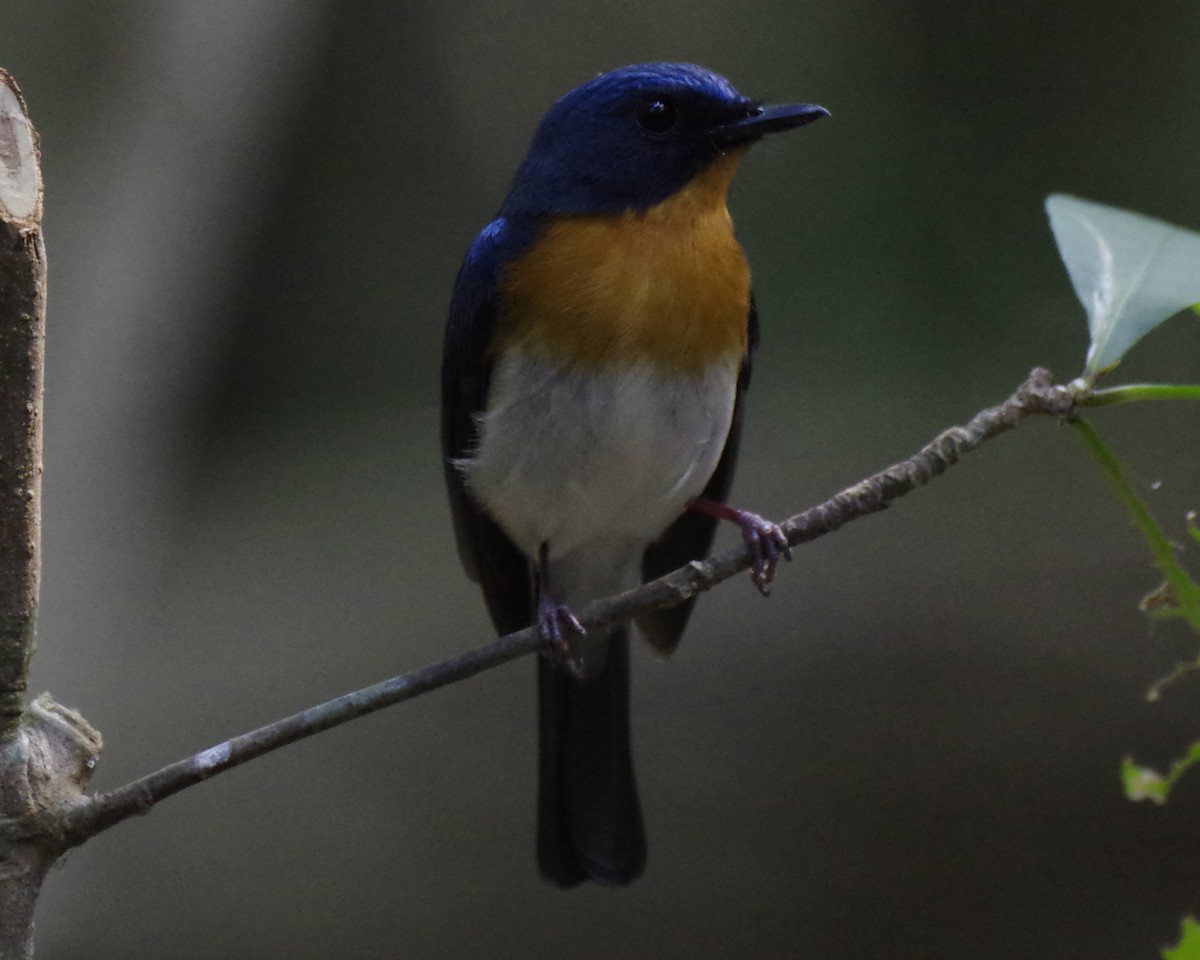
657 116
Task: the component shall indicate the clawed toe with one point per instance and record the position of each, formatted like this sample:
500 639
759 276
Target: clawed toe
556 624
768 542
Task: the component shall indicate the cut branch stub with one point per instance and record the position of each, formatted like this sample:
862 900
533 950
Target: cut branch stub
20 172
22 336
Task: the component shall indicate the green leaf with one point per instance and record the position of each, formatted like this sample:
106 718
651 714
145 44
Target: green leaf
1145 783
1188 947
1130 272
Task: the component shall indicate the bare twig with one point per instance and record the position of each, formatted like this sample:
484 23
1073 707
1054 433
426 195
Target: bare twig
1038 395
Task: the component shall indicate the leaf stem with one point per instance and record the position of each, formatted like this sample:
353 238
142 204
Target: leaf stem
1136 392
1187 593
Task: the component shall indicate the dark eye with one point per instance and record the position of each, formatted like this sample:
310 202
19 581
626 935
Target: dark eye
657 116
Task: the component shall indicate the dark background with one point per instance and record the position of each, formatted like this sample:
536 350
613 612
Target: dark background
255 211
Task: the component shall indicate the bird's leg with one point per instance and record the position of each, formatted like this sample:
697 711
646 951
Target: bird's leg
767 540
555 620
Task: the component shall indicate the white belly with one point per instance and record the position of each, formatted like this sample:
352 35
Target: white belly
599 461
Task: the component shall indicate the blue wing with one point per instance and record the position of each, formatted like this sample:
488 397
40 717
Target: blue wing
488 555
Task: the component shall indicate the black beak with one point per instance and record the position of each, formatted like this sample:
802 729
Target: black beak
763 120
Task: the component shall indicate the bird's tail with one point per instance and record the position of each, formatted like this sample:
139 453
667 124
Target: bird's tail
589 818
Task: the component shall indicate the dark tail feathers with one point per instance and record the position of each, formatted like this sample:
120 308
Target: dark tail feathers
589 818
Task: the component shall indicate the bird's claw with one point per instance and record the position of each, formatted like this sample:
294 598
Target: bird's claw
768 543
766 540
555 625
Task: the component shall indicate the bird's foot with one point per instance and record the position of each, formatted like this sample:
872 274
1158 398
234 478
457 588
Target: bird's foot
766 539
769 543
556 623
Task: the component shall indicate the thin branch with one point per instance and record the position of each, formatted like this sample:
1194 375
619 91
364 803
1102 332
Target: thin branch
22 338
89 816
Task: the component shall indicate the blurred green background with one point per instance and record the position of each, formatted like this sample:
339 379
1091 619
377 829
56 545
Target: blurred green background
255 211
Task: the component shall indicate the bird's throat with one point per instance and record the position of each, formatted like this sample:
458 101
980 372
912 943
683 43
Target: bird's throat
669 285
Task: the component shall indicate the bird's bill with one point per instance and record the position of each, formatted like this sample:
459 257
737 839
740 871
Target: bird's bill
763 120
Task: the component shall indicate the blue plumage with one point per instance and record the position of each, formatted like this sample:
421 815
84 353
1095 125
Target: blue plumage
589 155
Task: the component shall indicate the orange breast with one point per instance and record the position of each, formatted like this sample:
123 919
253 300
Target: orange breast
669 285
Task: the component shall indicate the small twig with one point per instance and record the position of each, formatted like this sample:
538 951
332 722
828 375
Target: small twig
1038 395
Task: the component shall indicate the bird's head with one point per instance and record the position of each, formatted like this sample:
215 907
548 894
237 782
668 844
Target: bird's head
631 138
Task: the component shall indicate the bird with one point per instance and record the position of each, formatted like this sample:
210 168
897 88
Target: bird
595 364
